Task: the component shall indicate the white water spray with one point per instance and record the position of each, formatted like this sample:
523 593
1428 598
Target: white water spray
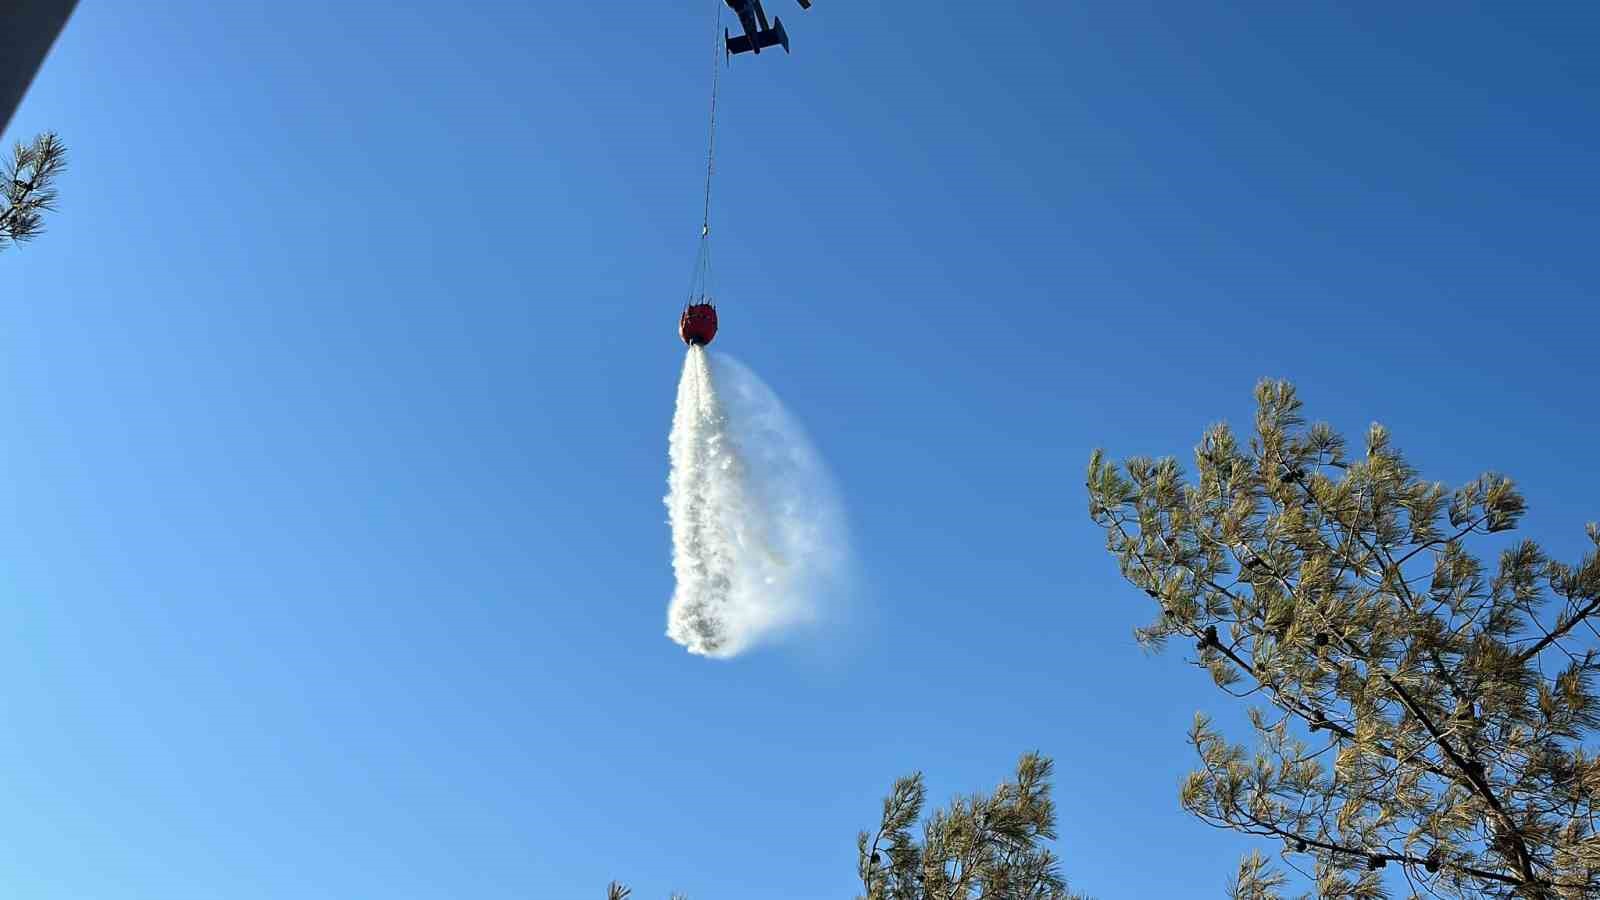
757 528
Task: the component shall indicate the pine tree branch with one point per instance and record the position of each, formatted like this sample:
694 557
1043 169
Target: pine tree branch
1288 703
1362 853
1475 776
1557 634
1492 796
1440 542
1268 829
28 187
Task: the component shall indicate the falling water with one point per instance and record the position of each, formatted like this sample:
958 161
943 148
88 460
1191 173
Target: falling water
757 529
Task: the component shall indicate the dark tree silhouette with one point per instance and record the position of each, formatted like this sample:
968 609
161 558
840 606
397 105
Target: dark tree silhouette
28 190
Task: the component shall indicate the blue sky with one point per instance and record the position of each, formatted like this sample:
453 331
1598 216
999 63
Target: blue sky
336 398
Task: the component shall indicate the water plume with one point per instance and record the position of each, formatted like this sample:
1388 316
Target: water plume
757 527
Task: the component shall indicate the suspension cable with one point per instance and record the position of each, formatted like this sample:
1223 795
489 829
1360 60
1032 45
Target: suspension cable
711 140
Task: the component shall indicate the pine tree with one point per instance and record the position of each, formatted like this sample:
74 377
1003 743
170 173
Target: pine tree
1414 711
980 847
28 190
1256 880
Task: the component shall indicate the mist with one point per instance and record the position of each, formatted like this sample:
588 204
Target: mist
758 531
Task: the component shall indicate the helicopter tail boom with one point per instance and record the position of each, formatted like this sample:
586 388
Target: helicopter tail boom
774 36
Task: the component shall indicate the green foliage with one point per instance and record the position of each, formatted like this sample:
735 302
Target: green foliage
1256 880
27 190
1417 711
979 847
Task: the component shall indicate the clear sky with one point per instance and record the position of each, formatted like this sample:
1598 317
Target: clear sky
336 399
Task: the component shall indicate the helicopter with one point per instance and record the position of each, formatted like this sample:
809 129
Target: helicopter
757 34
28 29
